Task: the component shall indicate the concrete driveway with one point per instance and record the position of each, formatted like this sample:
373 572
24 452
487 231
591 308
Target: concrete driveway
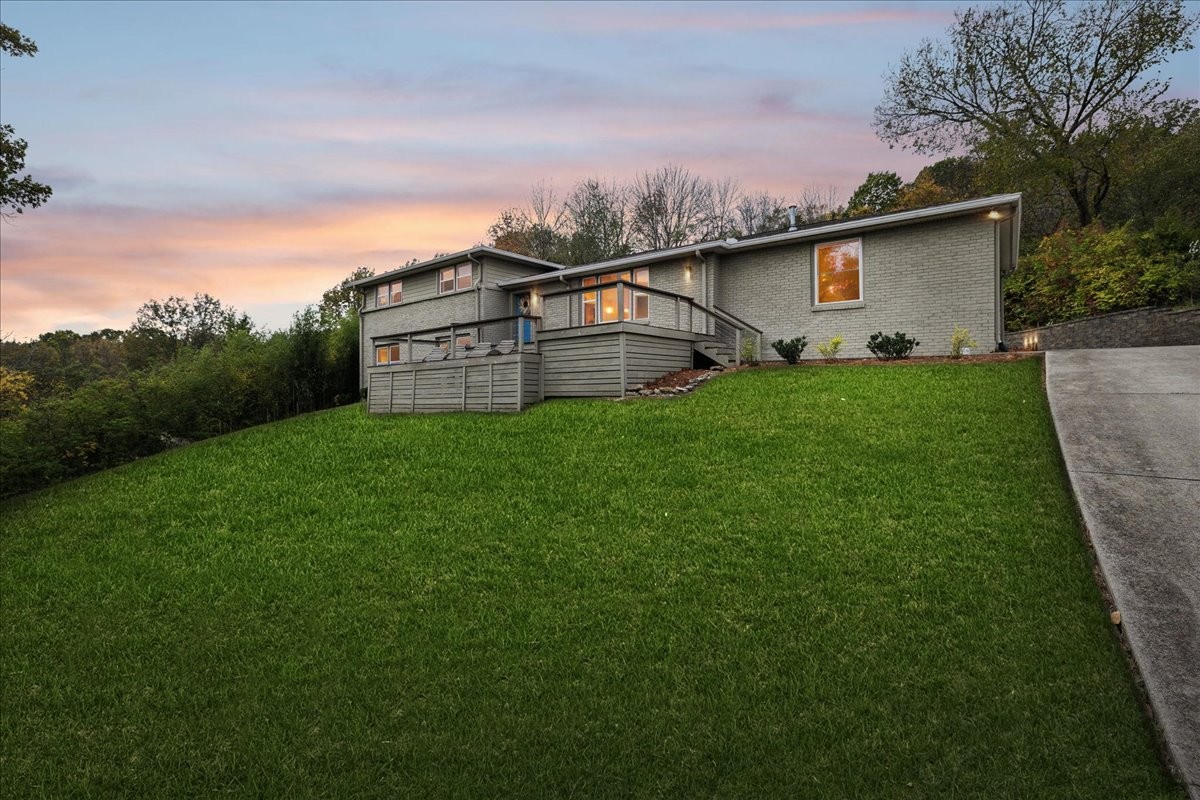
1129 424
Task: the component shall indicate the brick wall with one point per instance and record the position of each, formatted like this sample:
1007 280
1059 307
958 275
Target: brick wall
919 279
1141 327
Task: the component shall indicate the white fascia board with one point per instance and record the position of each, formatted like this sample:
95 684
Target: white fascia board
818 232
456 257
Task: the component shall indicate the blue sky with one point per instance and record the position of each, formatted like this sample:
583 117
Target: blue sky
262 151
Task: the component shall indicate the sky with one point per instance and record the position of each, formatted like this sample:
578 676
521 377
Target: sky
260 152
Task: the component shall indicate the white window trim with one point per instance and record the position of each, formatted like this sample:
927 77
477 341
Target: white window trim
455 278
598 287
389 290
816 276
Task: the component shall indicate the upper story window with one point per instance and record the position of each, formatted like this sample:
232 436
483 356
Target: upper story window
601 306
388 294
838 267
452 279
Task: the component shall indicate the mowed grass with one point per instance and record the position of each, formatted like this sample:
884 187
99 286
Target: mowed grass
812 582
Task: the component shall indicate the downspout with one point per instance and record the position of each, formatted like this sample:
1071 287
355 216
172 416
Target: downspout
704 288
478 287
362 306
703 277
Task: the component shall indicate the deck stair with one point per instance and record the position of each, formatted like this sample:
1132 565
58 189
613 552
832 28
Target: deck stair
717 352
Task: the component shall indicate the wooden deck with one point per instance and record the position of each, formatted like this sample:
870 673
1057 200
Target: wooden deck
494 383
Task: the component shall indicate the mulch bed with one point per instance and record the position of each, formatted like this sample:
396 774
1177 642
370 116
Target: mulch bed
850 362
685 380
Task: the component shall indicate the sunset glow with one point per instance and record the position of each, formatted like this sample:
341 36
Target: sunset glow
262 152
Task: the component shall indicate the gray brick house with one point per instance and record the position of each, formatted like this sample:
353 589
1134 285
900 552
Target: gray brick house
490 330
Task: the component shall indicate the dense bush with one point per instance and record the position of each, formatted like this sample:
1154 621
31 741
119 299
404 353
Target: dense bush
791 349
1081 272
891 347
233 381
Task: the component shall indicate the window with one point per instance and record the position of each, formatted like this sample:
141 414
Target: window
838 271
453 279
601 306
389 293
387 354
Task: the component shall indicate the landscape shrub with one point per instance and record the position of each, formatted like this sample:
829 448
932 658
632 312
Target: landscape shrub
1081 272
749 352
830 349
959 339
891 347
791 349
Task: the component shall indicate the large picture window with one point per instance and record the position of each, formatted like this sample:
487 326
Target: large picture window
452 279
838 271
601 306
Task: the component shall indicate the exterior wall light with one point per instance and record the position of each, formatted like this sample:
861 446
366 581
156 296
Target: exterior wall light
994 215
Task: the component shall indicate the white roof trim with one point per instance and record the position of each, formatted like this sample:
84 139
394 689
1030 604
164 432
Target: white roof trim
454 257
818 232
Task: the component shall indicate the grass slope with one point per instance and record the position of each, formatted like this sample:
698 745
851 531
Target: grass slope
797 582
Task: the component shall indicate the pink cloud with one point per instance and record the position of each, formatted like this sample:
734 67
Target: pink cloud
92 267
610 18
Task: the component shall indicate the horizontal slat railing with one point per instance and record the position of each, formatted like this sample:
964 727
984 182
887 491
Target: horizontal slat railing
511 326
664 309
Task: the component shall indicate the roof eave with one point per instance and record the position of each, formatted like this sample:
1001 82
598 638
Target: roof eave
833 228
451 258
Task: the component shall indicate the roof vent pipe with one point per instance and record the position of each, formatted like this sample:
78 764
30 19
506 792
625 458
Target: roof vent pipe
791 218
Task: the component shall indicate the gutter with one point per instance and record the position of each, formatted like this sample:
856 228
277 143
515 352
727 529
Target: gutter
362 306
817 232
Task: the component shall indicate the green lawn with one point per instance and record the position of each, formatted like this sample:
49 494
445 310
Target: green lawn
810 582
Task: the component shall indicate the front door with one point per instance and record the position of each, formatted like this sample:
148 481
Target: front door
521 306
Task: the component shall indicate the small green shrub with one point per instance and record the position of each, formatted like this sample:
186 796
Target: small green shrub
830 349
749 351
790 350
891 347
959 339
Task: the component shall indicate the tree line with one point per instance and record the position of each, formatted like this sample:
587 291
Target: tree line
1060 101
185 370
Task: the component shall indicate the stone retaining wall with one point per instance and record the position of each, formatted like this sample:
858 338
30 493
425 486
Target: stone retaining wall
1140 327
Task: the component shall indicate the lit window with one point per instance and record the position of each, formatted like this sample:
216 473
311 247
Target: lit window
452 279
601 306
839 271
387 354
389 293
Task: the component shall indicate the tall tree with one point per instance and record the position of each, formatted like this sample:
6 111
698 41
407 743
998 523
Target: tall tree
17 192
342 300
1042 84
761 212
195 323
669 206
878 193
597 217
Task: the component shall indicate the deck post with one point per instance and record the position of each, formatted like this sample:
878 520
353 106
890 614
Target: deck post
520 384
677 313
453 342
621 350
409 348
737 347
391 389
